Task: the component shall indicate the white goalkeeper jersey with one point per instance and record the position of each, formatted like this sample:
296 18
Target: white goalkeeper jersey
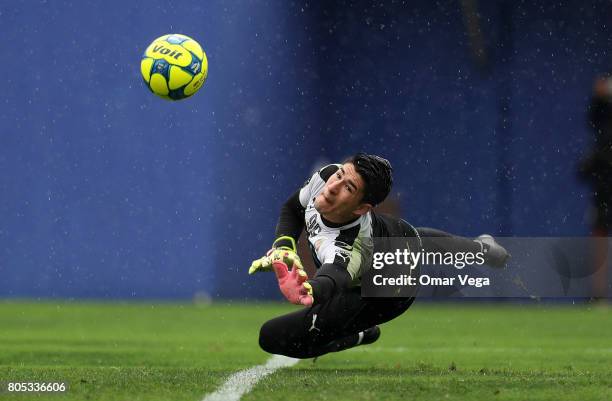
349 245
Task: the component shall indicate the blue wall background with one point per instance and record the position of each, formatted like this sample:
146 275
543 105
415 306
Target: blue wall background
109 192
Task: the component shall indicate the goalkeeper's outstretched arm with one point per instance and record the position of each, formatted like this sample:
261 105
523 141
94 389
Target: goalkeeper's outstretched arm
288 229
291 220
329 280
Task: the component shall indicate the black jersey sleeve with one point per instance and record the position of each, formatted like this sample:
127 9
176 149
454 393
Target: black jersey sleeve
329 280
291 219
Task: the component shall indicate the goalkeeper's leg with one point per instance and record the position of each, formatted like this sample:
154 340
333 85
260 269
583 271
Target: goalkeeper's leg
344 321
439 241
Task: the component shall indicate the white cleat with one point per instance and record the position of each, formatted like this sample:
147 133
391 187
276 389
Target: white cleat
495 255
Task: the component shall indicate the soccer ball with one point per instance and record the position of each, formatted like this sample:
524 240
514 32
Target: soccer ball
174 66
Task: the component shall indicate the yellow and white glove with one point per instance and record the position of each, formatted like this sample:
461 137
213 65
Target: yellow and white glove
284 250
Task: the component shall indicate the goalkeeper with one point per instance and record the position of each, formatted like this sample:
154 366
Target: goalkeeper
335 207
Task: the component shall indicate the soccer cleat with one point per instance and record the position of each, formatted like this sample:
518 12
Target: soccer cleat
495 255
369 336
365 337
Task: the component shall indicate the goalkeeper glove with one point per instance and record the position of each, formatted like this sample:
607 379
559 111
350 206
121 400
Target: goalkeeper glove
293 284
283 249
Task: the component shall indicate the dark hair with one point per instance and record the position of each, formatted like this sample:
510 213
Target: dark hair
376 174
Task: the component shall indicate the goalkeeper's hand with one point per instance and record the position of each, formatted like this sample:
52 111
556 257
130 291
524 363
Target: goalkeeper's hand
283 250
293 284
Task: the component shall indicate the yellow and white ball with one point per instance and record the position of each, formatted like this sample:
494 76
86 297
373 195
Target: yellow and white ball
174 66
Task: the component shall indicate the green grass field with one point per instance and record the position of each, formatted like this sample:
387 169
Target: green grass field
182 352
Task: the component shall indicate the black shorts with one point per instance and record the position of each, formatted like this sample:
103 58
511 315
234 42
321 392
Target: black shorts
305 333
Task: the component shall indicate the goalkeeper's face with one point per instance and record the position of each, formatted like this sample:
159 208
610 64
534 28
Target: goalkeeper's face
341 198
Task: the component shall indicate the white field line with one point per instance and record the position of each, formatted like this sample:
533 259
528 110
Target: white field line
243 381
